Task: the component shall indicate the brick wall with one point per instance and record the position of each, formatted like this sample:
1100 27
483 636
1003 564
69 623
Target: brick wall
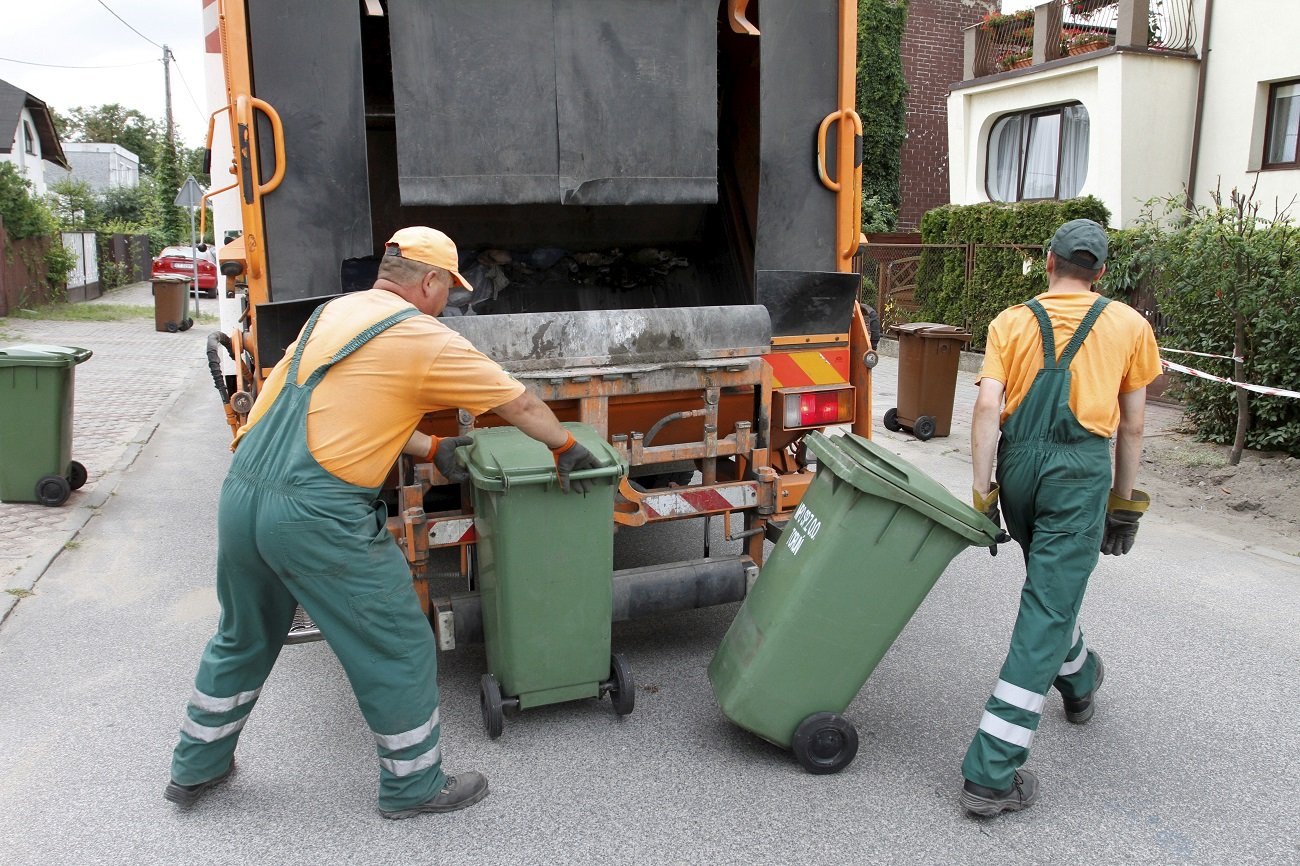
932 60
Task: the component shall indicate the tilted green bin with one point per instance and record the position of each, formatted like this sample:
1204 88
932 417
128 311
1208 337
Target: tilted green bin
36 387
870 538
545 571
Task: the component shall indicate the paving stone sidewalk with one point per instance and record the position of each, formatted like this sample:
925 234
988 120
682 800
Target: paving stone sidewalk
121 395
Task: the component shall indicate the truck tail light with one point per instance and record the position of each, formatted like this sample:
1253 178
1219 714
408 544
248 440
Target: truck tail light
818 407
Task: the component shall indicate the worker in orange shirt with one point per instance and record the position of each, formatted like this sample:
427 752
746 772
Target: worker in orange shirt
299 522
1049 416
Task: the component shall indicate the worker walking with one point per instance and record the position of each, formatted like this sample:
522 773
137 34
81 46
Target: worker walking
299 522
1056 409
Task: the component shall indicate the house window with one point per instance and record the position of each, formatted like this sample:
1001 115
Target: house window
29 138
1282 131
1038 154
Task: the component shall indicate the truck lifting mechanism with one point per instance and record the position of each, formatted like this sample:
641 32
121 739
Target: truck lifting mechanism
658 205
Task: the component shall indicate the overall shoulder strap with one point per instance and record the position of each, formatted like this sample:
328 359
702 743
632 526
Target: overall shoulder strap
358 341
303 337
1045 328
1085 327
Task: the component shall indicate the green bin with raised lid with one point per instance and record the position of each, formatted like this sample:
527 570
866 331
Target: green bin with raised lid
36 390
859 555
545 565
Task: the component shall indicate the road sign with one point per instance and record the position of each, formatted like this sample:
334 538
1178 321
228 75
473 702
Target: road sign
190 194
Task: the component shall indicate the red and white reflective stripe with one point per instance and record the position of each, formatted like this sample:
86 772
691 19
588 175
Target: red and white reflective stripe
211 27
1200 354
1201 374
706 500
457 530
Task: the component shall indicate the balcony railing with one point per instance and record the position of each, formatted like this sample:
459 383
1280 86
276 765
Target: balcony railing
1067 28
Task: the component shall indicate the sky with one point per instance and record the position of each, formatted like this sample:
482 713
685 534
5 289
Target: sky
85 33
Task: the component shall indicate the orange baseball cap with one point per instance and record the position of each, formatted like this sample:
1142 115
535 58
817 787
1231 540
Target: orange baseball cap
430 246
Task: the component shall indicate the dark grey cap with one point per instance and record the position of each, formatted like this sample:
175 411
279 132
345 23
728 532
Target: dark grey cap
1081 236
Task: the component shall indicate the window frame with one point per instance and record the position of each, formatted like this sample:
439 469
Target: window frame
1027 118
1271 118
29 138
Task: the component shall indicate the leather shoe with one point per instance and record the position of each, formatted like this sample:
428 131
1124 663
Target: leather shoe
1080 710
188 795
984 801
457 792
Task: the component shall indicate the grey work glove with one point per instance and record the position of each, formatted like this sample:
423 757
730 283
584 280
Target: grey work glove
1122 516
442 454
987 504
572 457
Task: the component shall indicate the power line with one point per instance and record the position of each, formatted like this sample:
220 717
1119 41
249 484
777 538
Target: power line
66 66
129 27
186 85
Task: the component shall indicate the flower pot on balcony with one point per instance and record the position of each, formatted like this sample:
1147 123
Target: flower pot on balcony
1077 48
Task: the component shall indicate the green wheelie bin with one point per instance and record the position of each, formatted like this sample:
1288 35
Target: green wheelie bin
36 386
870 538
545 565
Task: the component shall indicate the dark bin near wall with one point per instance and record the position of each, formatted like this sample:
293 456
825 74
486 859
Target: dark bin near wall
36 388
870 538
928 359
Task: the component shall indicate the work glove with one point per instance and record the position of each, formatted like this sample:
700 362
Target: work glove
987 504
442 454
572 457
1122 516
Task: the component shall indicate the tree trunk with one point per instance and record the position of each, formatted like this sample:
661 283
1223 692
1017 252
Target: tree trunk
1243 399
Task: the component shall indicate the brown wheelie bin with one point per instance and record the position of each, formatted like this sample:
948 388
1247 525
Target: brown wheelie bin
928 357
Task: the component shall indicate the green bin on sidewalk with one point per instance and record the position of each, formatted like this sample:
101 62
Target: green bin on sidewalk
36 387
545 569
861 552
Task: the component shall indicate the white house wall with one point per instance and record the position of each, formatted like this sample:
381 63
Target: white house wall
1140 126
29 166
1253 43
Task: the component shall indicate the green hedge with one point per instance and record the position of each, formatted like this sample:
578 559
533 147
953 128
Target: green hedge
998 276
882 103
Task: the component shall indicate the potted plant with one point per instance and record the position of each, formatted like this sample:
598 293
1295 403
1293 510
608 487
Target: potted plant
1014 58
1086 8
1087 40
996 21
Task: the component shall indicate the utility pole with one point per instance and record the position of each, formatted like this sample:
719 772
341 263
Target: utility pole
167 84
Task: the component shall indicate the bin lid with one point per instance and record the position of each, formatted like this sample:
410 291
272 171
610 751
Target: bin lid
34 355
504 456
879 472
931 330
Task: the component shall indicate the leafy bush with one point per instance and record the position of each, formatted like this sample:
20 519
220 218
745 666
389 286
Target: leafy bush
881 101
26 216
1007 265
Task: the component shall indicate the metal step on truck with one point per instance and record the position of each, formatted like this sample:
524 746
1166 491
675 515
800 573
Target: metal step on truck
657 201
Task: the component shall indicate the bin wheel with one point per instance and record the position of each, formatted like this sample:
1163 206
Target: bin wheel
53 490
77 475
621 685
825 743
489 695
172 327
187 324
923 429
891 420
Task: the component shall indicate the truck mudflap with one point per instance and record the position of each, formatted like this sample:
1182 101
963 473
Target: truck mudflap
638 592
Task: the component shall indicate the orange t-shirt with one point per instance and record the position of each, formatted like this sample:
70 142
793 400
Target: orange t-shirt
1118 356
367 406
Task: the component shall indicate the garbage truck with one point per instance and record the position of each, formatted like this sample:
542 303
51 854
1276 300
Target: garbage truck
657 202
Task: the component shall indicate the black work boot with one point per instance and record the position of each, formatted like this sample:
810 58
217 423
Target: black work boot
188 795
1080 710
457 792
979 800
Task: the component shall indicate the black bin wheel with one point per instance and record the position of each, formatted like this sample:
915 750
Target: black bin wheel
891 420
621 685
53 490
923 429
172 327
187 324
77 475
825 743
489 694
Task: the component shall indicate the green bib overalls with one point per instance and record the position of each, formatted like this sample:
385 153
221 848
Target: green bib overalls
1055 475
291 533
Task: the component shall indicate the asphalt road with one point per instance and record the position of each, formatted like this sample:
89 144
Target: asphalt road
1193 755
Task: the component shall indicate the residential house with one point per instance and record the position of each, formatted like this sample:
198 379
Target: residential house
1130 100
102 166
27 136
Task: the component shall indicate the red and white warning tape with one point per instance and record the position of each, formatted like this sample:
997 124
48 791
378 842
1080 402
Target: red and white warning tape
1201 374
1200 354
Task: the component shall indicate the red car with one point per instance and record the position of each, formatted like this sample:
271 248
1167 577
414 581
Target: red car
178 262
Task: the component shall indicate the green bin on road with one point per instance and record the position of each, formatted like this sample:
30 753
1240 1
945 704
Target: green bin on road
545 564
36 387
861 552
